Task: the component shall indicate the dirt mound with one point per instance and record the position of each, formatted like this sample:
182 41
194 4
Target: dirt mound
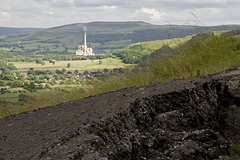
178 119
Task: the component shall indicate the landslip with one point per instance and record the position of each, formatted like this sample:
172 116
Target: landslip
177 119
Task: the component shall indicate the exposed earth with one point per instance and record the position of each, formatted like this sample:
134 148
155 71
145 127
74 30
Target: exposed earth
176 120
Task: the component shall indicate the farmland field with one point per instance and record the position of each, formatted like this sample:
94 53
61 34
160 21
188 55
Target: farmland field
13 97
80 65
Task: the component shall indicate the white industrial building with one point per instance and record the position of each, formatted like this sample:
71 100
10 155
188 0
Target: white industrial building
83 50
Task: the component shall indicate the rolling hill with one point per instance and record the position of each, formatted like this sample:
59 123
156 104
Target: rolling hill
10 30
103 37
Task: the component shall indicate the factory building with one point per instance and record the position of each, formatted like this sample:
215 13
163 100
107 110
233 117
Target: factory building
83 50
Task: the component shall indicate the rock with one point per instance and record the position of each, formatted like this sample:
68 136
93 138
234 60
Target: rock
178 119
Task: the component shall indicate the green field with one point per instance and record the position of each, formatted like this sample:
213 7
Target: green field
56 89
80 65
13 97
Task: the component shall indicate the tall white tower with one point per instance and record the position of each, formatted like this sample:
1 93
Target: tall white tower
83 50
85 44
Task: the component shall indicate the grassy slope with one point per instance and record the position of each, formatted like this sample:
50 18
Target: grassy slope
80 65
199 58
135 52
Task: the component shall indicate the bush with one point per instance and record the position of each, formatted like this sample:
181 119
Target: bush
25 98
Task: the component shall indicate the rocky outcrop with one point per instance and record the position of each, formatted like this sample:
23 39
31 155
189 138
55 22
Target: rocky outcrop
179 119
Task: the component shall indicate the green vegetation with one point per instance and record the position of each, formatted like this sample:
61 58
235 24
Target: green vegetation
196 58
136 52
103 37
234 150
32 79
81 66
200 56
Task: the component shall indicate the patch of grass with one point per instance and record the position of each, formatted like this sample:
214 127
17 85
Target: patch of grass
40 100
135 52
199 58
13 97
141 89
219 136
235 150
81 65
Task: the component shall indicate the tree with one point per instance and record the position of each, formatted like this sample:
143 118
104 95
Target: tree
85 72
105 70
56 76
58 71
11 66
31 71
68 65
76 72
46 76
38 61
26 85
7 75
32 87
64 70
18 83
3 90
69 72
2 83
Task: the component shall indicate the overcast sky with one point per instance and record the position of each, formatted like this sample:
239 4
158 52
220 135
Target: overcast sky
51 13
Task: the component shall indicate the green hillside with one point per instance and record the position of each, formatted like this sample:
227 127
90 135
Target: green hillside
139 53
136 53
103 37
198 57
202 55
9 30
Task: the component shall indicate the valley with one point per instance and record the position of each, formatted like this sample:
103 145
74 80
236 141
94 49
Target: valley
57 77
32 73
103 37
150 100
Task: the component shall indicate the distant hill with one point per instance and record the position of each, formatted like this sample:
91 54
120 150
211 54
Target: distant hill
9 30
103 37
142 52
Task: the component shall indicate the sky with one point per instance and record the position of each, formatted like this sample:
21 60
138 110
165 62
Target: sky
52 13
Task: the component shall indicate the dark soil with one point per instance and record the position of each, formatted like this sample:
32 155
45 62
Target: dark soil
178 119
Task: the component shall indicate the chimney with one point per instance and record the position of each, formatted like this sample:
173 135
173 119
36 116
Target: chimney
85 44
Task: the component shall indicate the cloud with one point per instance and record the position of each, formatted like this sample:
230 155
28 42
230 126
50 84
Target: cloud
153 13
50 13
109 7
148 14
190 4
4 16
94 3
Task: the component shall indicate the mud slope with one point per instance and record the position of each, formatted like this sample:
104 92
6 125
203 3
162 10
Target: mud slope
178 119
